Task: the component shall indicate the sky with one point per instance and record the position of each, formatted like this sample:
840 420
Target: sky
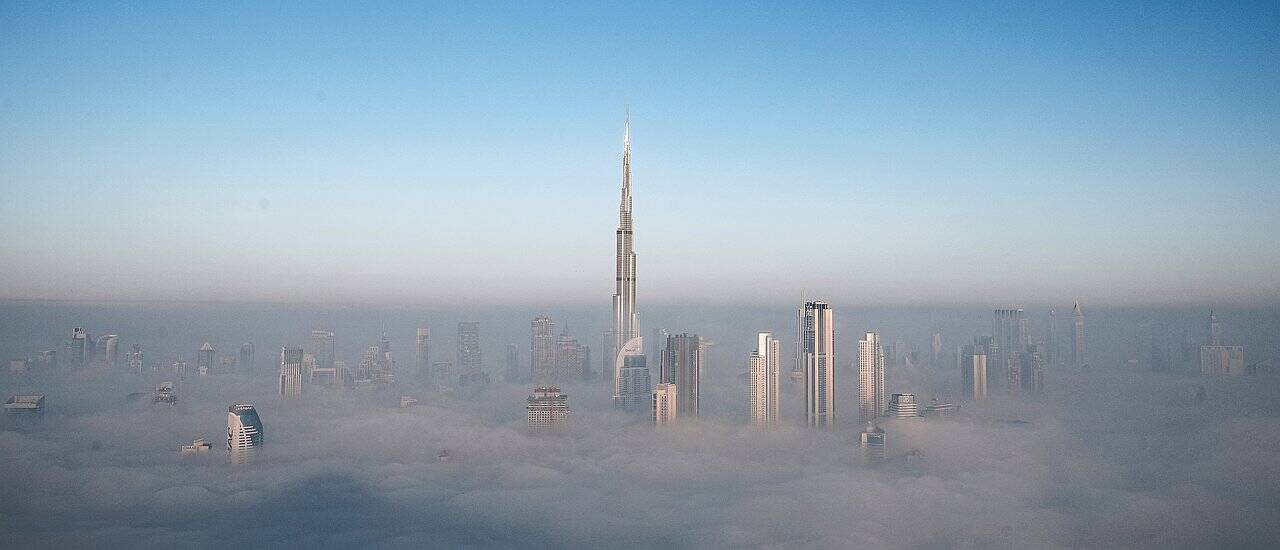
471 154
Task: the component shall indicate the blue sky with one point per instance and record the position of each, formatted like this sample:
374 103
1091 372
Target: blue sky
878 153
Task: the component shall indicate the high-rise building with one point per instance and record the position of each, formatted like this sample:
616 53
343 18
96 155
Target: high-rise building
1031 364
666 404
442 374
322 349
632 377
871 440
1077 337
870 377
513 374
204 358
682 366
903 405
1213 330
973 371
246 357
1009 331
79 349
817 358
1222 360
290 372
568 359
762 388
547 407
422 355
542 355
106 352
470 362
1051 353
935 349
626 322
135 359
244 432
656 343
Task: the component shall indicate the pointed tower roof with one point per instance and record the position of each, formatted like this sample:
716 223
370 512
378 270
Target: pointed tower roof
1075 310
206 347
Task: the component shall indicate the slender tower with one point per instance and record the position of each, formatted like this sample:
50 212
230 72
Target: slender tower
626 322
1077 336
817 352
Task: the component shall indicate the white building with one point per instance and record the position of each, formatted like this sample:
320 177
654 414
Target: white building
903 405
547 407
632 380
244 428
871 403
290 372
817 356
762 390
665 405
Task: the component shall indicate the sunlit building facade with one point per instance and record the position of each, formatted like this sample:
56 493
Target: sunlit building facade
817 357
762 390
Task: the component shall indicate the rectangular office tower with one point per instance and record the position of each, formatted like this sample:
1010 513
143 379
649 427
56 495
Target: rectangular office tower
290 372
469 359
665 404
542 355
762 390
422 355
817 356
682 366
871 402
973 371
546 407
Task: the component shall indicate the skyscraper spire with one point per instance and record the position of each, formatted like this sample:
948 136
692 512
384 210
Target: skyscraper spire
626 322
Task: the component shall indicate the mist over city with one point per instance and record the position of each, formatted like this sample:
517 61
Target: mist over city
676 275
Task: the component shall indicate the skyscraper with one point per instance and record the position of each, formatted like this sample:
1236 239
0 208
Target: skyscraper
322 349
1213 330
422 355
568 359
80 354
546 407
665 404
903 405
107 351
871 404
542 355
935 349
817 356
1009 337
290 372
632 376
1077 337
204 359
1051 353
682 366
626 322
513 373
469 360
246 356
973 371
762 388
135 359
871 440
1032 365
244 432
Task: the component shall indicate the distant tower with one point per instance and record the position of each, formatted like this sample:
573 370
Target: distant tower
568 359
322 348
762 388
546 407
290 372
633 377
244 432
1051 355
665 404
1032 374
870 377
80 354
246 357
935 349
469 361
817 357
903 405
422 355
973 372
135 359
1077 336
107 351
1213 330
682 366
204 358
871 439
626 322
513 373
542 355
